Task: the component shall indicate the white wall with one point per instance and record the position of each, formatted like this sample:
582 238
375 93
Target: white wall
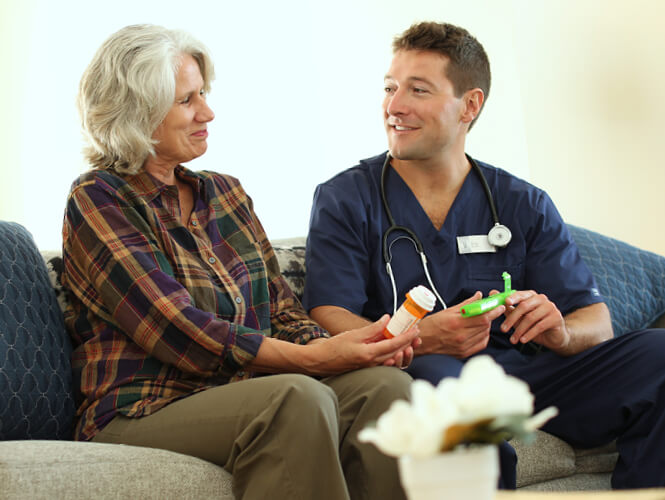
297 96
574 105
592 78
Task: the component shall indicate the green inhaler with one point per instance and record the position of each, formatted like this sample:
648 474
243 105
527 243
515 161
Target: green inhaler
488 303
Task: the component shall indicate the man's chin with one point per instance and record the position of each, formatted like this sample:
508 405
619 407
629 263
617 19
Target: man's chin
403 154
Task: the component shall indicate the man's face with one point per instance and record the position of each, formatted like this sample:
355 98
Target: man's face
421 114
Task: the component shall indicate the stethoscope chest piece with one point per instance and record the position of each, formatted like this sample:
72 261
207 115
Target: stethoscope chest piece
499 236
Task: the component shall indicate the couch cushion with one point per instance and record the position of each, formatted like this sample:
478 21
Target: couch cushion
35 368
578 482
70 469
546 457
631 280
291 258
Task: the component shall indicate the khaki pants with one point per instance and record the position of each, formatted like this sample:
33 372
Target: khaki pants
282 436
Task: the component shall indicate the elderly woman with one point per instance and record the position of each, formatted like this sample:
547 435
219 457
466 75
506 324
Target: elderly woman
177 302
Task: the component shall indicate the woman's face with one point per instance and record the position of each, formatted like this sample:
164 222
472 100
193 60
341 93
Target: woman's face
183 133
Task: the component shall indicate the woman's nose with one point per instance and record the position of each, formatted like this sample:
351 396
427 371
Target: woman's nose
205 113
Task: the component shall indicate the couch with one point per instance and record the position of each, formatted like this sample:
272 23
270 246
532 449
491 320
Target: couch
38 459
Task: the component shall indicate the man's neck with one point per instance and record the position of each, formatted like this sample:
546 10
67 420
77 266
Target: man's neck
435 183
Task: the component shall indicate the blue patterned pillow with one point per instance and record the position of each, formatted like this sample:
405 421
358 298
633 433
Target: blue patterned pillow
631 280
35 353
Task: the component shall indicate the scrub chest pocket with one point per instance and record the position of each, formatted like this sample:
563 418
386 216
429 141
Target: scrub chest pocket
487 278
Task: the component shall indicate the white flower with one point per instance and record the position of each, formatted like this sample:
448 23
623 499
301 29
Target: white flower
540 418
414 429
483 390
482 405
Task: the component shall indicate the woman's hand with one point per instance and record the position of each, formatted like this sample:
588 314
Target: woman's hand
359 348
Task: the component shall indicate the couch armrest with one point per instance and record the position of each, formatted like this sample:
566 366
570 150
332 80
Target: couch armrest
35 351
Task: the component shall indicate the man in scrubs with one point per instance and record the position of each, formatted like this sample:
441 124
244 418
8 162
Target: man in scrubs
554 332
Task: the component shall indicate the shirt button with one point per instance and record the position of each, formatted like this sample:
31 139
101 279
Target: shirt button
212 260
194 223
238 300
241 373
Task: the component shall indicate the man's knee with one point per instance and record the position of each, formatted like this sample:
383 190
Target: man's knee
434 367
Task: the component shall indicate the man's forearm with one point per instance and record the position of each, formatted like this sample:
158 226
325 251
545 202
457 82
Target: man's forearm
587 327
337 319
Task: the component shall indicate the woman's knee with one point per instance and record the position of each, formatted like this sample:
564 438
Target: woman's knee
305 395
377 387
393 382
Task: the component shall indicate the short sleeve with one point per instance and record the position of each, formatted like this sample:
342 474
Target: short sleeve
337 258
553 262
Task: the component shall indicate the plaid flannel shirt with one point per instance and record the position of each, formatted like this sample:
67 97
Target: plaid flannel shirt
160 310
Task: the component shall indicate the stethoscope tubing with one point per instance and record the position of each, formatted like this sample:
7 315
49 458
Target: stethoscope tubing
411 235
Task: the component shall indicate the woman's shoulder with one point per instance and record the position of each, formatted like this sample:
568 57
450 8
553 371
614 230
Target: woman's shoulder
222 183
106 180
217 177
99 176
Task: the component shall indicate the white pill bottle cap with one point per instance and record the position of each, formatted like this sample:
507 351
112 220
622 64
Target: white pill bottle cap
423 297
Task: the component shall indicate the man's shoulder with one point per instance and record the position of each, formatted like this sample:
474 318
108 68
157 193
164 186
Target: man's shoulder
363 173
503 175
506 182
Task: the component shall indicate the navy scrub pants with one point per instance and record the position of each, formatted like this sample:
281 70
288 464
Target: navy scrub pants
615 390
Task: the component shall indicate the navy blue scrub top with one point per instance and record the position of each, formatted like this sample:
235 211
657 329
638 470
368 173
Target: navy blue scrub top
345 265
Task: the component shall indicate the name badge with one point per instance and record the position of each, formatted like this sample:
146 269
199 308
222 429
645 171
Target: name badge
476 243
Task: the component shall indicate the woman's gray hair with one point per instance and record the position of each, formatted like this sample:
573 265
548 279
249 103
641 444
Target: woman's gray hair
128 89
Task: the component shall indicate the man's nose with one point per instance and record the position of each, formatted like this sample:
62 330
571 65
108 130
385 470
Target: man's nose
397 103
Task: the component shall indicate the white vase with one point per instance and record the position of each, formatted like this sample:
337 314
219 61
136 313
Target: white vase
464 474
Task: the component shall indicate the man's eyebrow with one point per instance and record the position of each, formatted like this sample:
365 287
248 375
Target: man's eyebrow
412 79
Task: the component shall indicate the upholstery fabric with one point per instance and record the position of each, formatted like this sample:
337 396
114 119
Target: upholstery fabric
35 369
291 257
545 458
74 469
632 280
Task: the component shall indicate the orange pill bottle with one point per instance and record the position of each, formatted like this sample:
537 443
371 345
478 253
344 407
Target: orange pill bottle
419 301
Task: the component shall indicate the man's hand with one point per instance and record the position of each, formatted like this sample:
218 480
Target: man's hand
535 317
448 332
404 358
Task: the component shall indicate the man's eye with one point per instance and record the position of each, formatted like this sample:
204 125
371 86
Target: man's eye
418 90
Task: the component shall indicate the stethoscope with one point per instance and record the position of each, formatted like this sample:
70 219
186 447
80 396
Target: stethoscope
498 236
